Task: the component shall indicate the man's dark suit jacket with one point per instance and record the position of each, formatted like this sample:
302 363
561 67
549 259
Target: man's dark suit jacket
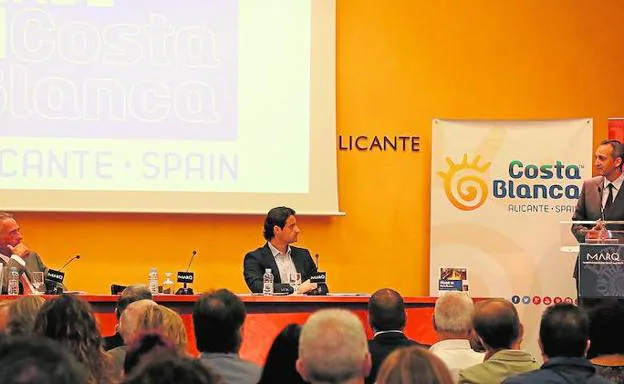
589 208
256 262
384 344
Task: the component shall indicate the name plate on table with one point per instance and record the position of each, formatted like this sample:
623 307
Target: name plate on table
186 277
319 278
55 276
601 270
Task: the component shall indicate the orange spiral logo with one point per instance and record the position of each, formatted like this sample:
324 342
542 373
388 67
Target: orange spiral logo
464 184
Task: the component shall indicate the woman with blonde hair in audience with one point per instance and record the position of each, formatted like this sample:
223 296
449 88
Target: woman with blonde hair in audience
413 365
70 321
22 315
167 322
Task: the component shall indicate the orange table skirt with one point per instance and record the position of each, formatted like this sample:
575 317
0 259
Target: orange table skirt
267 316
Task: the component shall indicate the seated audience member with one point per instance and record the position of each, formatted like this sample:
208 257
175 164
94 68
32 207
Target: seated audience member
173 369
167 322
564 340
34 360
280 230
70 321
218 319
386 316
4 314
452 321
129 295
280 365
413 365
146 347
14 253
607 340
333 348
499 330
129 328
22 314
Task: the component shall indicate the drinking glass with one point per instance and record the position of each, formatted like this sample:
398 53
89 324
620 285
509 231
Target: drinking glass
168 284
294 280
37 282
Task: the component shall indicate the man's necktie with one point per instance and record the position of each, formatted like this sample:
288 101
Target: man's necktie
609 201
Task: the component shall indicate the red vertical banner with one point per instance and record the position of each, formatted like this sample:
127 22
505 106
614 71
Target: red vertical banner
616 128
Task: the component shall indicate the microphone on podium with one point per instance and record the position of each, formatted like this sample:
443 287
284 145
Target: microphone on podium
54 278
186 278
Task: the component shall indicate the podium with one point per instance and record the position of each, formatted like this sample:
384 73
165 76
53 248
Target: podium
600 261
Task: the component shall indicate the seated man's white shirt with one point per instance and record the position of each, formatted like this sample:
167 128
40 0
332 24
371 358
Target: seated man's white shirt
284 263
456 354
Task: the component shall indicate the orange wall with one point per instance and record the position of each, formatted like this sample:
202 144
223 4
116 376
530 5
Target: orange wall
401 63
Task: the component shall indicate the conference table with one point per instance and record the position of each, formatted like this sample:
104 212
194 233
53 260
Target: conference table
268 315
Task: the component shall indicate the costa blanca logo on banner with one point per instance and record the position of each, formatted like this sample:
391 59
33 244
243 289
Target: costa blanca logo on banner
467 187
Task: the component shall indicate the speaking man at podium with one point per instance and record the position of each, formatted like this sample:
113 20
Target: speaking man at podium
280 230
601 198
14 253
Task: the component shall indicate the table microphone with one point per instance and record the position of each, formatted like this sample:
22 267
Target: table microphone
320 278
186 278
77 257
54 278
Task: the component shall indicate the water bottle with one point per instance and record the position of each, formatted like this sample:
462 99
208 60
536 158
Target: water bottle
267 282
152 281
13 286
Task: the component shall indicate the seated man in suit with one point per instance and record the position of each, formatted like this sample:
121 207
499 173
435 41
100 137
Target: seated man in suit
386 316
14 253
280 230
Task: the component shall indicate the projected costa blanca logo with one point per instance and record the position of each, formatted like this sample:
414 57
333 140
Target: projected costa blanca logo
464 184
100 69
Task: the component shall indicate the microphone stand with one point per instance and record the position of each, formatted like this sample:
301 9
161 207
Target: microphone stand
184 290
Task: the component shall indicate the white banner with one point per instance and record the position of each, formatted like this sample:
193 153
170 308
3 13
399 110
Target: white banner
498 192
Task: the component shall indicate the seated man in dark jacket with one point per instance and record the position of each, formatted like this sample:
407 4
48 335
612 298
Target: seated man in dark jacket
386 315
564 340
281 230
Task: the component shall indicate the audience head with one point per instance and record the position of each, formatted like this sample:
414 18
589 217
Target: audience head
129 322
564 331
173 369
4 315
280 365
276 217
413 365
166 321
146 347
129 295
386 311
33 360
497 324
452 315
70 321
218 319
22 314
605 329
333 348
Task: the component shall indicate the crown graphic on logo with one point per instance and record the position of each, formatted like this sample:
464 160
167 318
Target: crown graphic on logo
464 184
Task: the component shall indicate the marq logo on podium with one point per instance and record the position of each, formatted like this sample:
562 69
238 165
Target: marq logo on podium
603 256
468 184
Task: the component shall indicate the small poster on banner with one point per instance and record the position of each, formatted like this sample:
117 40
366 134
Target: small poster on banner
453 279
